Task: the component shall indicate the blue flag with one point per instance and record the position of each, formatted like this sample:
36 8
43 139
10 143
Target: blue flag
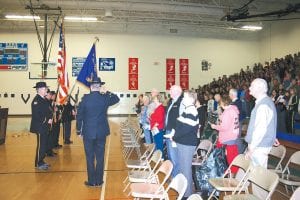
88 71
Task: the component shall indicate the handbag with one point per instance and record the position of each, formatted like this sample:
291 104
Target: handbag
214 167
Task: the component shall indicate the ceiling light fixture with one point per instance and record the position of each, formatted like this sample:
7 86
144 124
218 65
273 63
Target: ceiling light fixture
251 27
82 19
22 17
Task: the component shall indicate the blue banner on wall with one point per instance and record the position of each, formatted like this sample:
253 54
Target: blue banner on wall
13 56
107 64
77 63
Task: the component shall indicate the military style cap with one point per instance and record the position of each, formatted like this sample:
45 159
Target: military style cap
97 80
40 85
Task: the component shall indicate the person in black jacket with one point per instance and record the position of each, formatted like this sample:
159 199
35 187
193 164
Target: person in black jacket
186 138
202 114
41 120
172 113
92 124
233 95
291 111
68 114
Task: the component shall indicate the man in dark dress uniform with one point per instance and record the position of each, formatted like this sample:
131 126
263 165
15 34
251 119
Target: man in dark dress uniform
40 122
50 144
57 109
67 117
92 124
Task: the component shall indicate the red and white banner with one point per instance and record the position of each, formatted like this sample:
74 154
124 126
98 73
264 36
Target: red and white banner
170 72
133 83
133 73
184 73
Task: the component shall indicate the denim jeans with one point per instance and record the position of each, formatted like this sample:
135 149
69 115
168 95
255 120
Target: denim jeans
172 155
185 156
159 141
148 136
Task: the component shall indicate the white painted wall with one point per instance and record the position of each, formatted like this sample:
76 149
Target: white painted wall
278 39
226 56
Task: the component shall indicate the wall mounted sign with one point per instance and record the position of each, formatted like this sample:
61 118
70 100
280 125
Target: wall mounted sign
184 73
133 73
107 64
170 72
77 63
14 56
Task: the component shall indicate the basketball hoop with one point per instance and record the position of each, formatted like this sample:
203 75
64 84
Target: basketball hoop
36 70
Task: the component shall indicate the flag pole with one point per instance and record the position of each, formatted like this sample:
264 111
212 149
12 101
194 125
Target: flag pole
96 40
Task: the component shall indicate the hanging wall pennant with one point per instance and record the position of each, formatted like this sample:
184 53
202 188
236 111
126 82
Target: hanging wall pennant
133 74
170 72
184 73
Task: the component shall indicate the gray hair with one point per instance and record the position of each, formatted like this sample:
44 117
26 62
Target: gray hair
261 84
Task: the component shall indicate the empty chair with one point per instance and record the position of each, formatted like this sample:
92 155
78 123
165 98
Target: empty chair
179 184
279 153
288 178
228 183
146 174
263 184
130 143
153 190
143 161
202 151
195 197
296 194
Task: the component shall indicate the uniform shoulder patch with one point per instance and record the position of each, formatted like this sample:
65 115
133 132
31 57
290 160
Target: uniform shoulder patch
35 103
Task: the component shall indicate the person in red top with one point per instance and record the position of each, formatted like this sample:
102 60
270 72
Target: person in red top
157 122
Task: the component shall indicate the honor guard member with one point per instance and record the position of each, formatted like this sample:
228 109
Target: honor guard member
50 144
41 120
92 124
57 109
68 114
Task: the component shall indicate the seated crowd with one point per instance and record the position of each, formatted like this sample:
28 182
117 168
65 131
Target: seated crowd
176 126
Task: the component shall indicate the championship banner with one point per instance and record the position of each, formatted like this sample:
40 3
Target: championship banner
184 81
133 73
170 73
183 66
184 73
133 83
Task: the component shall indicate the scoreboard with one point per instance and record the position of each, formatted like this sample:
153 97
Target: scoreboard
13 56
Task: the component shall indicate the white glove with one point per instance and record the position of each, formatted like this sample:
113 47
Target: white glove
170 135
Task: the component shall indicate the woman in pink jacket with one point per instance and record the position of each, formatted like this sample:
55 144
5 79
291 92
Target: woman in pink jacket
228 130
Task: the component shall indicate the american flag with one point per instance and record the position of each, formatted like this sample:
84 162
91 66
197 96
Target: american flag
63 80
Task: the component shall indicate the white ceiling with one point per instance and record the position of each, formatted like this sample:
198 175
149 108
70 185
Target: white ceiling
158 17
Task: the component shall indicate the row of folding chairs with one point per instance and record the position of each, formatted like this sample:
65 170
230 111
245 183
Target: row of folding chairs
260 178
263 181
287 175
130 136
148 175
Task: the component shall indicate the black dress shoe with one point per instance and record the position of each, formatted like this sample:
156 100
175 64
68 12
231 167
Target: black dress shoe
58 146
86 183
46 164
98 184
68 142
42 167
50 154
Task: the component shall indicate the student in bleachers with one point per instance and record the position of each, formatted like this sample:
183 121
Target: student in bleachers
292 109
